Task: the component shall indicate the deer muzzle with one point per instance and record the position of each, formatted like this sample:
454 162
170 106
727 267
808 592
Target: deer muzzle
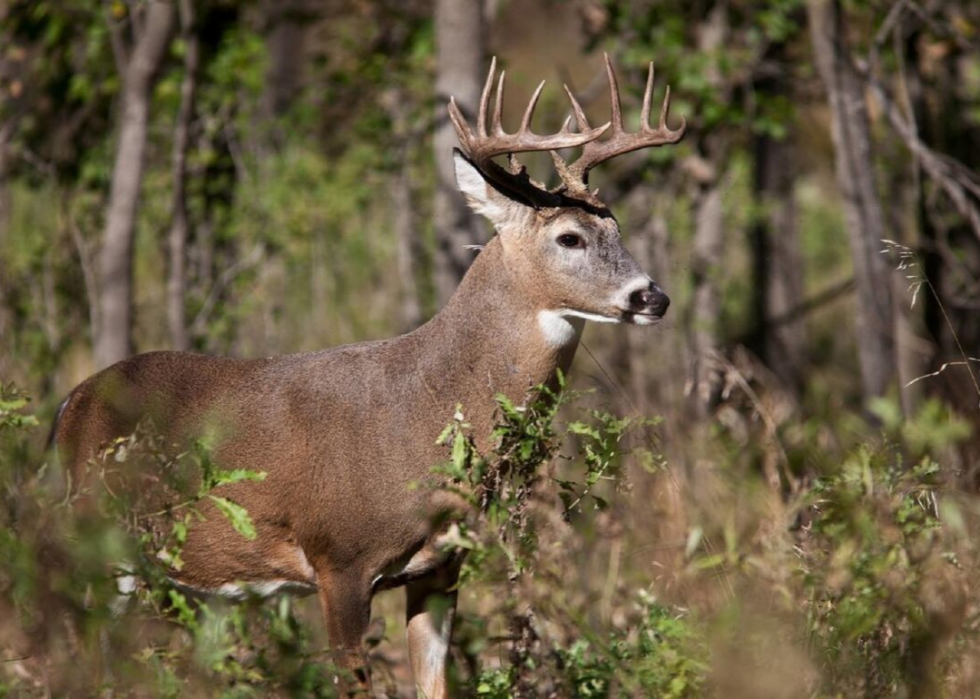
647 304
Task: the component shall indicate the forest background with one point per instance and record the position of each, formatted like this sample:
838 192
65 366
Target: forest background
261 177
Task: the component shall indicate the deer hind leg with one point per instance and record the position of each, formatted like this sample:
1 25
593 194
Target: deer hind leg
346 602
430 611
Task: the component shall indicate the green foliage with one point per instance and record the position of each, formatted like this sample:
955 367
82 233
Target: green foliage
12 403
932 430
707 77
501 485
875 540
662 655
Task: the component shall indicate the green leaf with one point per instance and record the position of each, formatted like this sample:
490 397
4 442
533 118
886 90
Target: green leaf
237 515
582 428
460 452
712 561
444 435
236 475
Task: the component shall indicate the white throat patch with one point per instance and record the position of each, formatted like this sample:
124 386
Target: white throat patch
558 330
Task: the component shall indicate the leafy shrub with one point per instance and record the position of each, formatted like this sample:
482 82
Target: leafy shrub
867 572
880 570
517 488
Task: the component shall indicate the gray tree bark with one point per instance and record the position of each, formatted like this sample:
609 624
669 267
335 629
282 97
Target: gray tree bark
460 68
285 37
705 310
114 339
6 131
708 244
396 104
180 226
851 131
778 263
406 237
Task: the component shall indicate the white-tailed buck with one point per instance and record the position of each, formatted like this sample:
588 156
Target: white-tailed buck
343 433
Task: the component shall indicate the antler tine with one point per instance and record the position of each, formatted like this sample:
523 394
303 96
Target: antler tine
647 97
497 128
529 112
459 123
580 119
481 117
617 114
664 113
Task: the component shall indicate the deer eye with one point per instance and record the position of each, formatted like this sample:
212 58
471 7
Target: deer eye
570 240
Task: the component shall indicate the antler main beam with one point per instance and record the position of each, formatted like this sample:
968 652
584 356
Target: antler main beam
576 175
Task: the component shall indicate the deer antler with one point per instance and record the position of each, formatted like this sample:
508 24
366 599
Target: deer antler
483 146
576 176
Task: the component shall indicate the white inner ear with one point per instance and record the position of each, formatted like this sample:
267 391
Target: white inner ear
471 183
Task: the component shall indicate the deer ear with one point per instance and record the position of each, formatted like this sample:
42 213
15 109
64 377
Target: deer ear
482 196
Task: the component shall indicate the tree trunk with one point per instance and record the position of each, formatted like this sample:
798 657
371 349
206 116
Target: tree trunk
777 261
406 235
650 361
705 309
285 35
459 65
396 103
875 333
5 131
179 226
114 340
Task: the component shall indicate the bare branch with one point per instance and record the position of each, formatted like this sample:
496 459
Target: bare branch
954 178
226 278
120 54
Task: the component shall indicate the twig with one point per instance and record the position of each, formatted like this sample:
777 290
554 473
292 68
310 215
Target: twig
940 30
941 369
226 278
770 422
956 338
822 298
17 660
908 260
119 53
886 28
705 542
955 179
89 278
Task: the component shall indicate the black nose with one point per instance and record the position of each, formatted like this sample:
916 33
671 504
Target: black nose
651 301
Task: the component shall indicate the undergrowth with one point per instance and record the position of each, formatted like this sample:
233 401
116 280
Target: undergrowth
860 582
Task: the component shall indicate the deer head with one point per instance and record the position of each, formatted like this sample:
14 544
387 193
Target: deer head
564 240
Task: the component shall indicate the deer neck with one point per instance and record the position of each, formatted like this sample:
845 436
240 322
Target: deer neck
491 338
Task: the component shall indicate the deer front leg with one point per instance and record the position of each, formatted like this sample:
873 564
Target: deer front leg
346 602
430 612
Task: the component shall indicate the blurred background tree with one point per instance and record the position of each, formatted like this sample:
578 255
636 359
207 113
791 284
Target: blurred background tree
249 177
266 132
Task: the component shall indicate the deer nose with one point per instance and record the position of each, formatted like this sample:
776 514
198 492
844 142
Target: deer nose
651 301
